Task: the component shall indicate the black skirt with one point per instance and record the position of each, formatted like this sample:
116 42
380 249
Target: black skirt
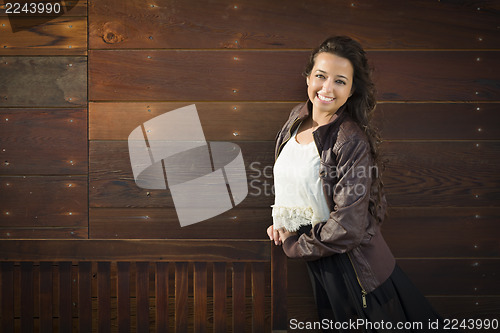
395 306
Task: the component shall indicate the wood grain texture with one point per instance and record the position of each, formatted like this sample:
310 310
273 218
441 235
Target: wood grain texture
256 121
7 292
136 250
162 296
59 201
438 121
65 296
43 141
417 173
59 36
27 297
164 75
448 232
200 296
294 24
219 297
442 173
46 297
142 296
43 81
181 297
104 296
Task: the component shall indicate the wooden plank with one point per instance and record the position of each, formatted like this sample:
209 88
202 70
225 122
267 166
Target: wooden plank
68 8
200 297
65 296
104 297
136 250
417 173
294 24
46 297
162 296
43 233
142 296
220 313
27 297
260 121
35 36
187 75
123 296
64 81
84 297
238 297
181 297
443 121
122 223
7 293
278 288
442 173
258 307
36 202
450 276
43 141
224 121
474 232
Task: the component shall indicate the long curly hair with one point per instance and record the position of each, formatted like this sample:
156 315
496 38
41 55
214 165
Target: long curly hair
361 105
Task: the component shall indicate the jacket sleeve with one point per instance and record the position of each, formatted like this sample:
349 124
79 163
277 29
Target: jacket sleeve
348 222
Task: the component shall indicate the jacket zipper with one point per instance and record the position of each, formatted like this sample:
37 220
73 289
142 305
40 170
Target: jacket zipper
363 291
289 134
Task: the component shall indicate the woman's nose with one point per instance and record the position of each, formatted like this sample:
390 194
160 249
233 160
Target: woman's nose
327 85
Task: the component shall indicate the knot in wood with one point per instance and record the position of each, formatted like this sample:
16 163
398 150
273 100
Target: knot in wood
112 38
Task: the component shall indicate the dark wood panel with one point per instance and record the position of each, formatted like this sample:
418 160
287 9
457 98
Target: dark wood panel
144 223
220 120
448 232
438 121
247 121
161 75
64 81
421 173
140 250
43 233
292 24
69 8
43 141
442 173
436 277
112 184
59 36
37 202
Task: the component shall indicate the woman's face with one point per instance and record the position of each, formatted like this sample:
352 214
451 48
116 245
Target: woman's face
330 82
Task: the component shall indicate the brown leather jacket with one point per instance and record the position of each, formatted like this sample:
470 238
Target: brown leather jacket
345 172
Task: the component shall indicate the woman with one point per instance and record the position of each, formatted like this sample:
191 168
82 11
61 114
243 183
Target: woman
329 202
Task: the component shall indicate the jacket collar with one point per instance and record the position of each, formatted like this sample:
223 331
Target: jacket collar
306 111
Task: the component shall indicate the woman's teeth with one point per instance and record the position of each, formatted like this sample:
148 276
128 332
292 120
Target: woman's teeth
324 98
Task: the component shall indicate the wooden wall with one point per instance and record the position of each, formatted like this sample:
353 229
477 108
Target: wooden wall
69 99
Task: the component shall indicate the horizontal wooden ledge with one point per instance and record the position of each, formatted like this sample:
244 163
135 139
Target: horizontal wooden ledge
135 250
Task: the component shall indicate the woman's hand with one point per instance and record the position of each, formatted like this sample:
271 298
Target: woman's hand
273 235
284 234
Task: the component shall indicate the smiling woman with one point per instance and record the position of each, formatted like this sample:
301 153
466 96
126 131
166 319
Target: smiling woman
333 219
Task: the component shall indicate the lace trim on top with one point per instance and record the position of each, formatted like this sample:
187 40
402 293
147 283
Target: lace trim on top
292 218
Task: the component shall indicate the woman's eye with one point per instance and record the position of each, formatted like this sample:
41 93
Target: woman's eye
320 76
340 82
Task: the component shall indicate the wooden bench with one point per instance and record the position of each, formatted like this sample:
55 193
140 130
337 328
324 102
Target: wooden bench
185 282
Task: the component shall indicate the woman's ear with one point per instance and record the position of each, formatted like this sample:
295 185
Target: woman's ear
307 80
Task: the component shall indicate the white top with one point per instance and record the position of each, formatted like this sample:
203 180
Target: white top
299 198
